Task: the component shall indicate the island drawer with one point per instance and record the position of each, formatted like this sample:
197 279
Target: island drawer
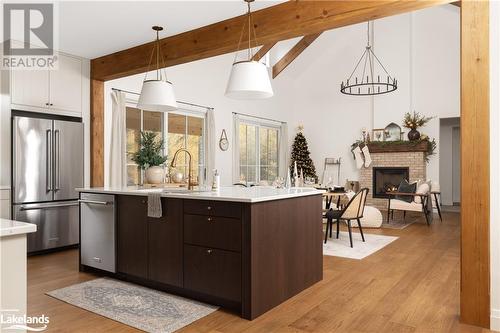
213 272
213 208
213 231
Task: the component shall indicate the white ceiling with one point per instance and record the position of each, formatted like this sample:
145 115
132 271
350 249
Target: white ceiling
95 28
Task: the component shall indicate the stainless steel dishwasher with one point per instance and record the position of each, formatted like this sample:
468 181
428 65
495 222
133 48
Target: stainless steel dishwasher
98 224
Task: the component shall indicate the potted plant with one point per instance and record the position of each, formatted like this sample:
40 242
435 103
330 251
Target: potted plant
149 157
413 121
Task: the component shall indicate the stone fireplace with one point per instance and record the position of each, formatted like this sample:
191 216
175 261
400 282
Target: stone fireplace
389 166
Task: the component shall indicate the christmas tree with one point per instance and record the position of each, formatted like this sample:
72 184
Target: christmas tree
301 155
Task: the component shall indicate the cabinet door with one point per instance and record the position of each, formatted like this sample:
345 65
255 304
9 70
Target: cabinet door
30 87
165 244
213 272
66 85
132 243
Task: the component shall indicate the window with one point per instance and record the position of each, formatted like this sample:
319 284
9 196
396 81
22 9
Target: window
178 130
137 121
187 131
258 145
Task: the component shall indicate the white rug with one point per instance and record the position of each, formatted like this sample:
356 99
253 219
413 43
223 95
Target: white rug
342 248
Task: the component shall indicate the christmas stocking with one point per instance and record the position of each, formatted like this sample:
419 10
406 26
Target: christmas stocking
368 158
358 157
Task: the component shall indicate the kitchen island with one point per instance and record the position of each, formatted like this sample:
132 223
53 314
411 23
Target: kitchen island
247 249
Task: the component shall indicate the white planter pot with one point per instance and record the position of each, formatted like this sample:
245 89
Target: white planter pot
155 175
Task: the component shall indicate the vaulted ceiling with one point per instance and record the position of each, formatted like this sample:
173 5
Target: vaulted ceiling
92 29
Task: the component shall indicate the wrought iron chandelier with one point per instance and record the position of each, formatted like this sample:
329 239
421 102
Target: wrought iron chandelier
364 81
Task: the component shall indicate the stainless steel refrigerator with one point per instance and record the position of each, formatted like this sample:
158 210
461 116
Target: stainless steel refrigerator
47 166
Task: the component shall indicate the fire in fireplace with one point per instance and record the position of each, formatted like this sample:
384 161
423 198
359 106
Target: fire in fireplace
386 179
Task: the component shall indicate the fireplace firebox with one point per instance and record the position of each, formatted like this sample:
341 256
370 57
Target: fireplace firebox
386 179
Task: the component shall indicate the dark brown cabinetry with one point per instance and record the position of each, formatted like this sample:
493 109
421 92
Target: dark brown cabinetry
132 236
150 248
245 256
165 244
213 272
213 231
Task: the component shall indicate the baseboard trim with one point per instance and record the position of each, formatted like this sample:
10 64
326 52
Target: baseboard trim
495 320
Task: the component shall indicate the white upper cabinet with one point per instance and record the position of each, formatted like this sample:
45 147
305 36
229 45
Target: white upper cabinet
58 91
30 87
65 87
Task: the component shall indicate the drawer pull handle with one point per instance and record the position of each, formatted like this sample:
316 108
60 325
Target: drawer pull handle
209 251
209 219
209 208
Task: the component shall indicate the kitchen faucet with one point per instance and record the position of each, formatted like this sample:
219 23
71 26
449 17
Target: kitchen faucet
172 164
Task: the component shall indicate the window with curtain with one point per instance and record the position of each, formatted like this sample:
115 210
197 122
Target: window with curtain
259 156
178 130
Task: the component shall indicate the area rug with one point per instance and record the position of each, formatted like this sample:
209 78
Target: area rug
342 248
143 308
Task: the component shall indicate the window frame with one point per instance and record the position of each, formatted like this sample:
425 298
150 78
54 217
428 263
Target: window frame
132 103
258 124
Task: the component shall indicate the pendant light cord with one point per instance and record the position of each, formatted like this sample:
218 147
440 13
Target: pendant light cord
158 72
248 22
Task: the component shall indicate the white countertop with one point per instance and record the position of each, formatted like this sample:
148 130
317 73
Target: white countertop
231 193
10 227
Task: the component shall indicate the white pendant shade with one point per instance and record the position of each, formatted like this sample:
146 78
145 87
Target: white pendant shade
249 80
157 95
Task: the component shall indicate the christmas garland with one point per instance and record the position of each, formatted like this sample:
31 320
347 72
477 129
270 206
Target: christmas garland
431 145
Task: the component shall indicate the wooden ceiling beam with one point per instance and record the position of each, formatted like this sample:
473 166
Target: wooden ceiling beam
284 21
263 51
294 52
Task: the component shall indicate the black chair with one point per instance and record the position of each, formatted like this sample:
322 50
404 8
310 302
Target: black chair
352 211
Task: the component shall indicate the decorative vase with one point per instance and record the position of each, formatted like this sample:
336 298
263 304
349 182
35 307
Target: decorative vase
413 135
155 175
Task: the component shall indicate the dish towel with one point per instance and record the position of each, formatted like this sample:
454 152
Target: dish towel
154 205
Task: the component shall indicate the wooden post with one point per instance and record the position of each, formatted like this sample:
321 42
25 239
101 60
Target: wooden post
475 173
96 132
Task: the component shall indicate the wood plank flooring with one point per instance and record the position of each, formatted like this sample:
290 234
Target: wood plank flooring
412 285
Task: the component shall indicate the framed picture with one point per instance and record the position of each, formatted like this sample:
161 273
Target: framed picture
378 134
392 132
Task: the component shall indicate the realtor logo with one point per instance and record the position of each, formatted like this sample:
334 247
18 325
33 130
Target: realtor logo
30 24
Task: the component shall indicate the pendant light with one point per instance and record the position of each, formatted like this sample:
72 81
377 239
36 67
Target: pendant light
366 81
249 79
157 94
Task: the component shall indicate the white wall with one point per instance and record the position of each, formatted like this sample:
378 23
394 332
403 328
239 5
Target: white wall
204 82
420 49
495 164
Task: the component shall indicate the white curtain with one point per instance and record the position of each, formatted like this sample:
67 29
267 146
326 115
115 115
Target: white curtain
211 146
283 150
236 149
117 169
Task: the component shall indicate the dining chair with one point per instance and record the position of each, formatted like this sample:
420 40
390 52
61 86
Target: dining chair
352 211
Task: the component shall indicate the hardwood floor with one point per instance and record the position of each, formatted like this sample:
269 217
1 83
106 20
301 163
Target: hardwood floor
412 285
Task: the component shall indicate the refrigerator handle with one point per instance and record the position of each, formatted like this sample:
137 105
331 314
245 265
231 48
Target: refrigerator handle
57 161
48 160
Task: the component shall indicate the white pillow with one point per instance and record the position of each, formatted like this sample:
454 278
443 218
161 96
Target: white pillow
423 189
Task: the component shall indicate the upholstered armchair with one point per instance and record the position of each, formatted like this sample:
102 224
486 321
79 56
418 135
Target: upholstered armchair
420 201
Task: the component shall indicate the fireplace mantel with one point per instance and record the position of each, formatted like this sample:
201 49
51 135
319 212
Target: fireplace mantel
397 148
